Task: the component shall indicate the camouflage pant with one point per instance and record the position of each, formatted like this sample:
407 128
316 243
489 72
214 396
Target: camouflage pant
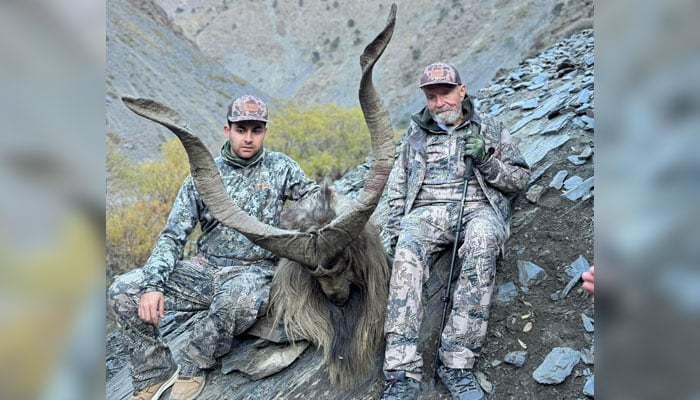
233 296
424 234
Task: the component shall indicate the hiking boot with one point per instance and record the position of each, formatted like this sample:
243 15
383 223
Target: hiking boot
154 392
398 386
461 383
187 387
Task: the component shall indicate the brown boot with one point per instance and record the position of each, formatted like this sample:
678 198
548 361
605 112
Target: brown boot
187 387
154 392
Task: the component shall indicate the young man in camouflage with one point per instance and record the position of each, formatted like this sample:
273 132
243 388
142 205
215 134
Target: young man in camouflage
229 278
424 191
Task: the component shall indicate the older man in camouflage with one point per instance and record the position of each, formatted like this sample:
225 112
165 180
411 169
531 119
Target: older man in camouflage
229 278
425 191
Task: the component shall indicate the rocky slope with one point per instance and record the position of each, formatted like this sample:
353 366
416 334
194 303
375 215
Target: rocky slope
309 49
196 55
540 342
145 58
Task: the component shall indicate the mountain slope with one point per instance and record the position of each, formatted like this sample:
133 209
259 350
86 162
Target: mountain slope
146 58
309 49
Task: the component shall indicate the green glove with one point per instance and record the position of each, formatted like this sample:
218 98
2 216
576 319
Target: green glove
476 149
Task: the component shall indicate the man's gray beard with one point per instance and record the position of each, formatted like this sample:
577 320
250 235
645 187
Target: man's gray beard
446 117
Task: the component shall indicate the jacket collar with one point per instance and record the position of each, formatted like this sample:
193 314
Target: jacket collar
426 121
417 137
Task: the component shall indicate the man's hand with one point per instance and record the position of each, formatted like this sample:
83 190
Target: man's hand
589 279
476 149
152 307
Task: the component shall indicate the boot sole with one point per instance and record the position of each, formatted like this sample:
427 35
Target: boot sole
170 382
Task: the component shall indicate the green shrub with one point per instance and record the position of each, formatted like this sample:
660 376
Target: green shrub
140 196
326 140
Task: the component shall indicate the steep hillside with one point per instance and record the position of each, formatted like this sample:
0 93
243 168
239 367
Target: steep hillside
196 55
146 58
309 49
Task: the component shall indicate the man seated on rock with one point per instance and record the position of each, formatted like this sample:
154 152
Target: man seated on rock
230 277
425 194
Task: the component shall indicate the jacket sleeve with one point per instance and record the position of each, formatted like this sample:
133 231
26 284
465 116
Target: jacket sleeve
506 169
396 199
172 239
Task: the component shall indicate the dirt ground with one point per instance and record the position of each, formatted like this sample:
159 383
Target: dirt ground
560 232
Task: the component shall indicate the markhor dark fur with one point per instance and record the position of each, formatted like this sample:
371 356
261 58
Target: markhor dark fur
339 307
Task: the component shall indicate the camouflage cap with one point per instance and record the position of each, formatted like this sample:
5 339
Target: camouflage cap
247 108
440 73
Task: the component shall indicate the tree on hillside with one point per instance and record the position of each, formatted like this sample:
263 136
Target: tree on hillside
326 140
144 194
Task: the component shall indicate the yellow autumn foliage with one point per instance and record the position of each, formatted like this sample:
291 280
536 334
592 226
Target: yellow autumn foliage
143 194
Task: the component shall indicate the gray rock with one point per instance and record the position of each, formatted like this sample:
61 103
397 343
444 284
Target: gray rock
580 191
579 266
572 282
506 292
543 145
588 121
579 122
576 160
583 97
516 358
587 356
540 79
522 219
496 109
541 85
257 363
572 182
515 75
586 153
574 271
531 104
557 366
589 387
570 75
568 88
524 121
530 273
558 179
554 102
537 173
580 110
518 249
556 124
534 193
587 323
483 382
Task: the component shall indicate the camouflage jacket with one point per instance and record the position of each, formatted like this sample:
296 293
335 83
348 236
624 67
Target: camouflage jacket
501 177
260 189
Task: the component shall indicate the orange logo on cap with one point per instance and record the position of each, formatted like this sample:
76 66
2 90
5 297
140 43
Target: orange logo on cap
252 107
437 73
